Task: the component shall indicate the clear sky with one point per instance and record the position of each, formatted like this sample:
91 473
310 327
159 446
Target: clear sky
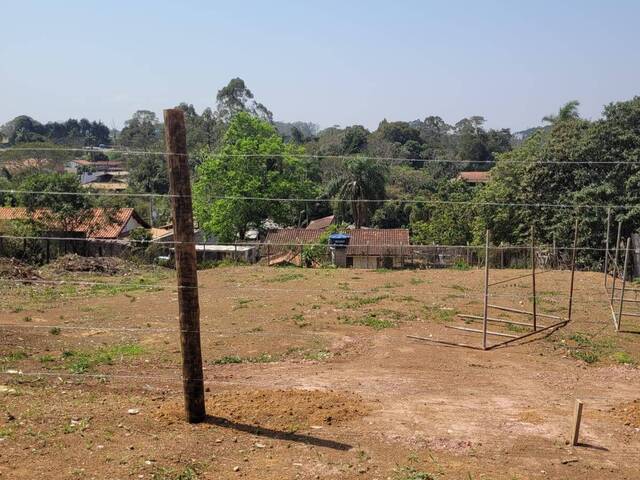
330 62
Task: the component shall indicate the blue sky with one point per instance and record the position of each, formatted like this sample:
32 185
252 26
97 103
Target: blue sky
330 62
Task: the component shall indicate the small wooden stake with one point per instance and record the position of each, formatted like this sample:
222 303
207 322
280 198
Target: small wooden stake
624 282
573 268
186 265
486 291
577 418
533 277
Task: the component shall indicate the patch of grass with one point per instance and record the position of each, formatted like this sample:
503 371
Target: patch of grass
300 321
242 303
416 281
83 361
190 472
460 264
46 359
14 356
459 288
285 277
55 331
5 432
623 357
585 356
383 270
356 302
370 320
392 285
439 314
411 473
516 328
27 319
318 355
227 359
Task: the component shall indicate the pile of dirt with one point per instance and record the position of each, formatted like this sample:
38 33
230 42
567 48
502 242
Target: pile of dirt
13 269
629 413
76 263
284 410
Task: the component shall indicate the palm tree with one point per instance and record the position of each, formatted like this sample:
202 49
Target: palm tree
569 111
361 181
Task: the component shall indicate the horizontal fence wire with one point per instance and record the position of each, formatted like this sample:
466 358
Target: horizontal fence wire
322 156
408 246
334 200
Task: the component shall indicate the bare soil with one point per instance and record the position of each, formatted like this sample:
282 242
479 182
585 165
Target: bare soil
310 374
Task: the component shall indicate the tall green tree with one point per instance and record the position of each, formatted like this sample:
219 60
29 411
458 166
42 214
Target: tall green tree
357 189
252 161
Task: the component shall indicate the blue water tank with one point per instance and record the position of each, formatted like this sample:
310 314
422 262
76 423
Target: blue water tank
339 239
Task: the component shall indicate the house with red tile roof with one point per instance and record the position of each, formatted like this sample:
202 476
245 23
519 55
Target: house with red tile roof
97 223
474 177
365 247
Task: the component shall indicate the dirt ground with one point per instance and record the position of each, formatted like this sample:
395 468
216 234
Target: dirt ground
310 373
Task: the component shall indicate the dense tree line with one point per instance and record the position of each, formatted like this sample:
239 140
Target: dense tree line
407 171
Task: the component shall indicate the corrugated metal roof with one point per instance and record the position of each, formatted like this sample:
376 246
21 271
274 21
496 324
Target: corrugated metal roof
321 223
106 223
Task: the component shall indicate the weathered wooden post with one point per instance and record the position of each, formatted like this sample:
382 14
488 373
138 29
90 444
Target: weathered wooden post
615 264
606 248
533 278
486 291
573 268
577 418
186 265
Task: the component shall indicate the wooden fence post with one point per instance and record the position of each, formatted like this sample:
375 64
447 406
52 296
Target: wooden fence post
606 248
486 292
186 265
533 278
615 264
573 268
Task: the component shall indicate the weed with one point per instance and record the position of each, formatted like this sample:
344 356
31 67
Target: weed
188 473
5 432
81 362
416 281
461 264
439 314
392 285
516 328
55 330
318 356
299 320
356 302
27 319
371 320
227 359
588 357
285 277
46 359
459 288
623 357
411 473
14 356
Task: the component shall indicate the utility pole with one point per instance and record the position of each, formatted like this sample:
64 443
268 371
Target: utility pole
186 267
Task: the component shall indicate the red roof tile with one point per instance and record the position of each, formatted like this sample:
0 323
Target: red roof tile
106 223
292 236
321 223
374 241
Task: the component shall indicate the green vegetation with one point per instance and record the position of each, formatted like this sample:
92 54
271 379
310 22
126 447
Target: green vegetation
439 314
83 361
55 331
357 302
411 473
13 357
371 320
285 277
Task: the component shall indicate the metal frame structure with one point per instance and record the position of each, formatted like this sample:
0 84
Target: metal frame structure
612 268
533 326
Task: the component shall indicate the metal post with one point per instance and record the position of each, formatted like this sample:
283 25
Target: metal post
573 268
533 278
606 248
186 265
624 283
615 264
486 291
